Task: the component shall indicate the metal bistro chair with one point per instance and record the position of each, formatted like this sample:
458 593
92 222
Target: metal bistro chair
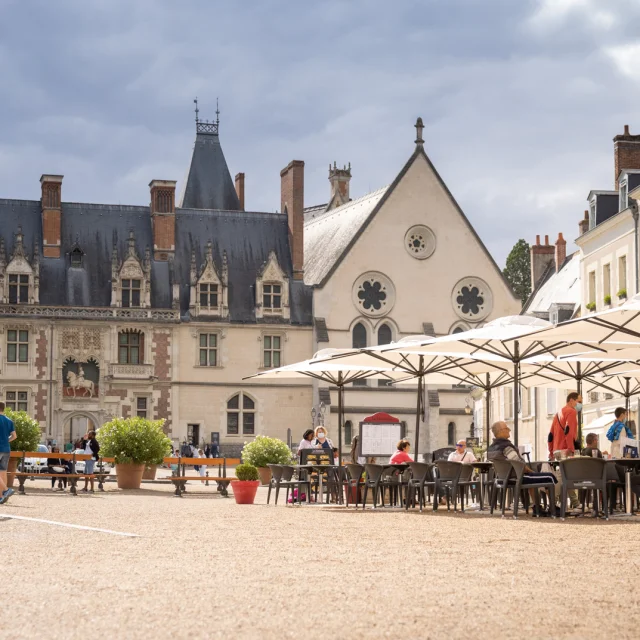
282 476
421 476
373 480
353 480
502 480
447 478
442 454
589 474
466 482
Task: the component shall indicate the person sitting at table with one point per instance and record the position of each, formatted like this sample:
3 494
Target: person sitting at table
402 453
58 466
592 447
322 441
462 454
615 431
305 443
503 449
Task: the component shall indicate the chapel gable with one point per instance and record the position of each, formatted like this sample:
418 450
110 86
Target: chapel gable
272 291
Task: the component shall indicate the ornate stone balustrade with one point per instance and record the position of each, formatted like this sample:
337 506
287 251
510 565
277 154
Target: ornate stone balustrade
90 313
131 371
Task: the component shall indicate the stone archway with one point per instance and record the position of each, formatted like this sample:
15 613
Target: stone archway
76 424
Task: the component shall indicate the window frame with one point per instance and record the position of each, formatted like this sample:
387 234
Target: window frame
272 294
21 285
606 280
17 344
240 412
130 291
271 336
147 407
591 290
128 346
209 293
208 349
17 403
622 272
362 382
623 198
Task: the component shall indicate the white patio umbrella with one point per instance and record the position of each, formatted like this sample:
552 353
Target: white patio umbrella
324 368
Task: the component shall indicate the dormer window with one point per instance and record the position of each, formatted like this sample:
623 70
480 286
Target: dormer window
131 293
592 214
208 296
18 288
623 196
76 258
271 297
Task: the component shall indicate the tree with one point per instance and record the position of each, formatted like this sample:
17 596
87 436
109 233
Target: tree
518 270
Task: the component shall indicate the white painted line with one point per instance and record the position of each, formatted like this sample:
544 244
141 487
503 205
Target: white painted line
72 526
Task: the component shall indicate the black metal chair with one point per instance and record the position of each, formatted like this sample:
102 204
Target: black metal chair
466 482
588 474
353 481
373 480
447 478
421 476
282 476
442 454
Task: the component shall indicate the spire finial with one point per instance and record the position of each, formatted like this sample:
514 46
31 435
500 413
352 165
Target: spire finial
217 113
419 129
197 110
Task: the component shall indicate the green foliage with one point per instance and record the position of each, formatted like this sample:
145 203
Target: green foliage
263 451
518 270
28 432
247 472
607 299
622 293
591 306
134 440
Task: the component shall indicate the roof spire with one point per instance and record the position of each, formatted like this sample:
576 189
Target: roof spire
217 114
204 126
197 110
419 129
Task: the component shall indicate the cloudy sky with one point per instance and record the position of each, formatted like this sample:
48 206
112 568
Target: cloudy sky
520 99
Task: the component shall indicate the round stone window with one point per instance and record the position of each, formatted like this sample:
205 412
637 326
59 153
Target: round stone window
373 294
472 299
420 242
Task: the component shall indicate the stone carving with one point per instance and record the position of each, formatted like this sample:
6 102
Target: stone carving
80 379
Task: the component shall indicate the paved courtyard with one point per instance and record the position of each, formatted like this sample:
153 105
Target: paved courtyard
204 567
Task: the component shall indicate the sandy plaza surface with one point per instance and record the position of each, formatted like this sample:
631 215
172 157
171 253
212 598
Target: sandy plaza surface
204 567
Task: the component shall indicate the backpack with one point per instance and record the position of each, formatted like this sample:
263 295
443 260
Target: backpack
185 450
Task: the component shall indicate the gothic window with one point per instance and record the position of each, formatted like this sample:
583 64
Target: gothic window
208 296
76 258
208 349
130 347
420 242
130 292
18 288
241 409
272 297
17 400
384 337
472 299
451 433
359 341
272 351
17 345
348 430
373 294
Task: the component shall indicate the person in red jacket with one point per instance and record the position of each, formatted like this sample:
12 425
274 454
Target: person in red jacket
564 428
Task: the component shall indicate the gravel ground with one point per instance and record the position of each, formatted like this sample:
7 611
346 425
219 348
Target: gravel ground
204 567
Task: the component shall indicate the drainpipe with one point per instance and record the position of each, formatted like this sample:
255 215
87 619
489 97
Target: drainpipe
536 422
50 399
634 213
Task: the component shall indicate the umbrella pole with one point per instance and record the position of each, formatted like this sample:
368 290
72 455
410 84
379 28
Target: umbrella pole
516 390
418 408
340 416
487 400
579 390
627 399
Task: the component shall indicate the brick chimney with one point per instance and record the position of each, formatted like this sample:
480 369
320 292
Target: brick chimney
163 217
339 181
292 203
561 252
583 225
240 189
626 151
541 256
51 204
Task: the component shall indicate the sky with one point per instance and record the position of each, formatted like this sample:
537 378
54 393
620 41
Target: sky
520 99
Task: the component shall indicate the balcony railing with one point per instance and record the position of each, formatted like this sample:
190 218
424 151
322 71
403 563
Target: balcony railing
131 371
90 313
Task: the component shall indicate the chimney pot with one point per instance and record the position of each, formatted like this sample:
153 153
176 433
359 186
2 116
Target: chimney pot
339 180
561 252
537 240
163 217
240 189
51 208
546 241
626 130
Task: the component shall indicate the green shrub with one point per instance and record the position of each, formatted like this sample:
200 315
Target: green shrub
591 306
247 472
607 299
28 432
133 440
622 293
263 451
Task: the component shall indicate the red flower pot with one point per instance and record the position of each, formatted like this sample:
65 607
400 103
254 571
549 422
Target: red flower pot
245 491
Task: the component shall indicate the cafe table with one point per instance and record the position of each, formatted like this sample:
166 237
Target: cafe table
629 464
320 468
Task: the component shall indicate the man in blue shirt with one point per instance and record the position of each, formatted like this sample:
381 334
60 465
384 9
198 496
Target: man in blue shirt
7 434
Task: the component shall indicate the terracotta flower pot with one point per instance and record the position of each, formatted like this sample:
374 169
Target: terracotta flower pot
149 472
244 491
265 475
13 467
129 476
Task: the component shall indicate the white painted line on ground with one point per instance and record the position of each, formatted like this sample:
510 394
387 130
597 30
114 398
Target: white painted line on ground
72 526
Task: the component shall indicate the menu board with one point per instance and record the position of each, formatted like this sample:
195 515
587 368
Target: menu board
379 438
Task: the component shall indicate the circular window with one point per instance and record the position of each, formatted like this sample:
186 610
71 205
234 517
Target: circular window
373 294
472 299
420 242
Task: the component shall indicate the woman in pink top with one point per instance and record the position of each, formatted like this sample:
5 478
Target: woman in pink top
402 454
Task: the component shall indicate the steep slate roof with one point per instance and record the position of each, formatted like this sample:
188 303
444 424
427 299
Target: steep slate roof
208 184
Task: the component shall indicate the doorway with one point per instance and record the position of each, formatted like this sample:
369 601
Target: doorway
193 434
77 427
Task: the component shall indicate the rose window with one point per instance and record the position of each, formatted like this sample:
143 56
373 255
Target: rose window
472 299
420 242
373 294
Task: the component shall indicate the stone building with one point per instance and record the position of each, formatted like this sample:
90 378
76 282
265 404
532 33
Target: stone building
162 310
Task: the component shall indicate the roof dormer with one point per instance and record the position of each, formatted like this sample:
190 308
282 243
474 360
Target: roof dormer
272 291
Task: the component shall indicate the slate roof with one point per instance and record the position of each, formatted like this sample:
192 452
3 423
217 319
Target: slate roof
208 184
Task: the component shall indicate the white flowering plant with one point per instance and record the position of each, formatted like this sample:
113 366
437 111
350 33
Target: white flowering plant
264 450
134 440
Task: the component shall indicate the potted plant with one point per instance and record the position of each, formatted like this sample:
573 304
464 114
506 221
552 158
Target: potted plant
591 306
622 294
263 451
28 436
607 300
134 443
246 484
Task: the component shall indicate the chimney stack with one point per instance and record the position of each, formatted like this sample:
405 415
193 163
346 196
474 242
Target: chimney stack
292 203
626 151
541 256
240 189
51 205
163 217
339 180
561 252
583 225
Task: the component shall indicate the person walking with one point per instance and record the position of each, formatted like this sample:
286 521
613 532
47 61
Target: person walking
7 434
91 447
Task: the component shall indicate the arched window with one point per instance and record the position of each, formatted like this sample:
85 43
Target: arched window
130 347
458 330
384 337
241 409
359 341
348 428
76 258
452 433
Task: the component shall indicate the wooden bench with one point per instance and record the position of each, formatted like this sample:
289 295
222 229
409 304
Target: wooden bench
72 478
180 479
